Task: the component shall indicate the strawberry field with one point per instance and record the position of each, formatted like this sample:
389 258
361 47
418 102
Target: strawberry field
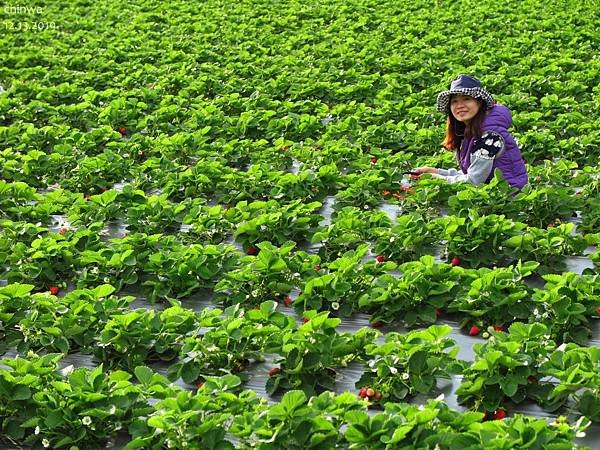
209 239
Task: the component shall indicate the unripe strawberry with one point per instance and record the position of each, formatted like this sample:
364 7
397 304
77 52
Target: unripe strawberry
53 290
274 371
499 414
370 392
485 335
455 261
377 396
380 258
474 331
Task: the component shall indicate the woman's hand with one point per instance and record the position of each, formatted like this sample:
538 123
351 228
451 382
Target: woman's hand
425 169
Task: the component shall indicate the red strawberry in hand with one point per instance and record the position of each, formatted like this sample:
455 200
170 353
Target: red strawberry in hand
499 414
53 290
274 371
474 331
455 261
287 301
252 250
380 259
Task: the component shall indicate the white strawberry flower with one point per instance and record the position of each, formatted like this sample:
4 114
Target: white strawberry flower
87 420
45 443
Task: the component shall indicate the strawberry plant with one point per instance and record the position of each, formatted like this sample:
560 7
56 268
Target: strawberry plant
178 271
351 228
413 298
547 247
496 296
565 304
407 364
340 289
477 240
504 367
266 276
408 240
229 346
309 355
576 369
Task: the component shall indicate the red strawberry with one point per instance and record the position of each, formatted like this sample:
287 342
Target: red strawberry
499 328
438 312
317 267
370 392
62 230
376 324
455 261
380 259
53 290
474 331
550 225
288 301
87 196
123 131
373 160
598 310
386 193
304 320
252 250
199 385
377 396
532 380
362 393
285 148
274 371
499 414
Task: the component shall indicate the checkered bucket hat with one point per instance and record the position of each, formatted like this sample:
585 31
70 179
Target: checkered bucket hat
464 85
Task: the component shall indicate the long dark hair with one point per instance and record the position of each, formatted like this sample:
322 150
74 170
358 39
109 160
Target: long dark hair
456 130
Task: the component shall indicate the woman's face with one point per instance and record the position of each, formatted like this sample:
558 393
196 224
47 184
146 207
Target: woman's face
464 107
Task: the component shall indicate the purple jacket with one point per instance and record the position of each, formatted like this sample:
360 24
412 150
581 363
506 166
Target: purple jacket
510 163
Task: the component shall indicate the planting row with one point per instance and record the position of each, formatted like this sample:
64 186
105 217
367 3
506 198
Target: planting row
185 189
211 341
46 407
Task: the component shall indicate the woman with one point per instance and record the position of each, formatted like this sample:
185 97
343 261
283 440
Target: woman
477 130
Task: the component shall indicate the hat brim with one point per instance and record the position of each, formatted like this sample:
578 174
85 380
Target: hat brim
443 99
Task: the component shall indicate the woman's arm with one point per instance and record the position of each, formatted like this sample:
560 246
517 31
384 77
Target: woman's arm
485 150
